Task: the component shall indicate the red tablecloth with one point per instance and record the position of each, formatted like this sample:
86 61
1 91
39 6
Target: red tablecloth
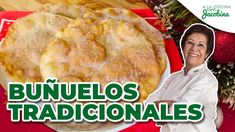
5 122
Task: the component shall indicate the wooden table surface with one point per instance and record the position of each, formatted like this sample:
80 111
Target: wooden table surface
31 5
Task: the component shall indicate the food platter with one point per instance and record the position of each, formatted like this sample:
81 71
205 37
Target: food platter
113 127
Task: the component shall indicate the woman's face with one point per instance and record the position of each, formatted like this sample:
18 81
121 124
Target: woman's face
195 50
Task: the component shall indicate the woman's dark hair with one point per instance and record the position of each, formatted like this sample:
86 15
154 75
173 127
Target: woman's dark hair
199 28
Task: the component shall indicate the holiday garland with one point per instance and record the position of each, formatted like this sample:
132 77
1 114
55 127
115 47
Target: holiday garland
225 74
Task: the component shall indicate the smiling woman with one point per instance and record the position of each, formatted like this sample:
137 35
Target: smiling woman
195 50
197 44
194 83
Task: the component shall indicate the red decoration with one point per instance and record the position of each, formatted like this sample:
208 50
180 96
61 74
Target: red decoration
224 47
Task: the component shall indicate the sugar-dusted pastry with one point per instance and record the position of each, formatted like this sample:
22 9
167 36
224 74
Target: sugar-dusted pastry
27 38
25 41
111 48
68 10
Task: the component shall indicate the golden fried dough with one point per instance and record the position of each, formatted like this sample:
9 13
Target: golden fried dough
150 33
105 50
26 39
67 10
98 50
